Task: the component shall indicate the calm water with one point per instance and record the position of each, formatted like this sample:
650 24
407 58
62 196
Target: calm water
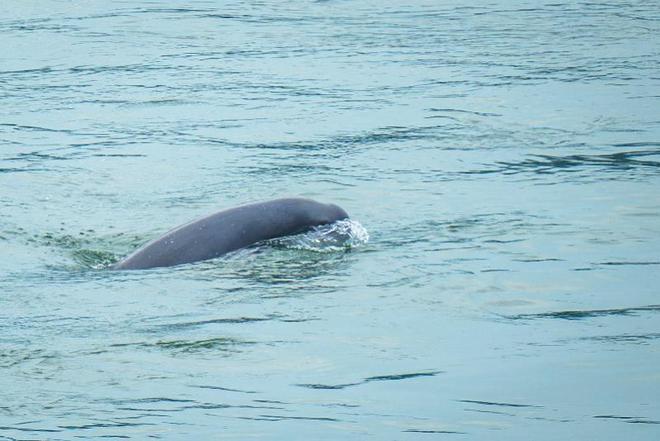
504 158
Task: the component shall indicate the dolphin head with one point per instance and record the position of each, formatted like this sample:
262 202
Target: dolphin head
320 214
334 213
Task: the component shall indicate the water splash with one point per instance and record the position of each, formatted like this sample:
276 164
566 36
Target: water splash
338 236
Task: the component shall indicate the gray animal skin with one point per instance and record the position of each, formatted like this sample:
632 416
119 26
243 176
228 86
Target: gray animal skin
231 229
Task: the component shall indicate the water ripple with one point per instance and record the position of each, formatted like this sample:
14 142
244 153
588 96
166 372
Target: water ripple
618 164
492 403
371 379
582 314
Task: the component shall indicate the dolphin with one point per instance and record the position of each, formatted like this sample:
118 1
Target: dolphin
231 229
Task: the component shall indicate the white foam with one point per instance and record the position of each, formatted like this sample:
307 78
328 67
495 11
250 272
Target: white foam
338 236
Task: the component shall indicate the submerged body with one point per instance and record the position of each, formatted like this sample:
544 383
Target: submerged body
230 230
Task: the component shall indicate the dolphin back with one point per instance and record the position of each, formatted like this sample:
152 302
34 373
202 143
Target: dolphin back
231 229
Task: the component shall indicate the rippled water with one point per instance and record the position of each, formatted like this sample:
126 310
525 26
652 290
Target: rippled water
504 159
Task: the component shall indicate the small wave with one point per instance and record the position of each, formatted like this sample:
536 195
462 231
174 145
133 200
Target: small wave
94 259
434 431
395 377
628 419
338 236
88 249
218 344
624 338
493 403
583 314
618 162
293 417
225 389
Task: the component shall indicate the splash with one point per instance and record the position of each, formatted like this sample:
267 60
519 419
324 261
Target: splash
338 236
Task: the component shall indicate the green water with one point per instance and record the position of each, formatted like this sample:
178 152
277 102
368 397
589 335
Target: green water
503 157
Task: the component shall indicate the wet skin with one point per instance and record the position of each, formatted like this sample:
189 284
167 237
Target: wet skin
231 229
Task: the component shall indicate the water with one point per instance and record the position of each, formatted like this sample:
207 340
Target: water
503 157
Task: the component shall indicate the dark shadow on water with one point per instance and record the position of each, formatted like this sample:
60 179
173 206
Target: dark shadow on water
187 326
583 314
494 412
224 389
493 403
628 419
640 339
88 250
217 345
434 431
611 163
395 377
350 144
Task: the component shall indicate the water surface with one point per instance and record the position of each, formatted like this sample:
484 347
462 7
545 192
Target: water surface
504 158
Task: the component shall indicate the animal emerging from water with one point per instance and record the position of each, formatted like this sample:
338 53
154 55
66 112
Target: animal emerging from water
230 230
